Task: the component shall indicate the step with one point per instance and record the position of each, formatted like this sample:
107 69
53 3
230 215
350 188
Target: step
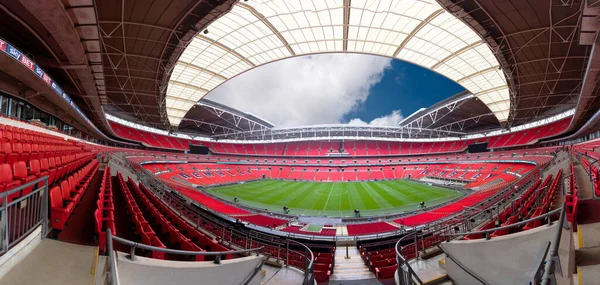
588 235
373 281
352 268
588 275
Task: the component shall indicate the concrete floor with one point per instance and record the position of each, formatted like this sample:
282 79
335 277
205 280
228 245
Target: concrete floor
428 269
588 275
54 263
584 186
276 275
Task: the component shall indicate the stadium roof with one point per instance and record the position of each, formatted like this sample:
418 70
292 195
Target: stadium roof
462 113
120 55
258 32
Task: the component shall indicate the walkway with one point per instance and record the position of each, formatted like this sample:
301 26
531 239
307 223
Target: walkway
54 263
430 270
587 243
281 275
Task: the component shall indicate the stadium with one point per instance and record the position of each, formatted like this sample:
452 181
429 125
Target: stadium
123 162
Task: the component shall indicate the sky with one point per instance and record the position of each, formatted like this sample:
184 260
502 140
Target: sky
353 89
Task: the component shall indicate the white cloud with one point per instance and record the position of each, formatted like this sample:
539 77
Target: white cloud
317 89
391 119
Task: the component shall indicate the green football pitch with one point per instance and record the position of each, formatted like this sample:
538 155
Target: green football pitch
335 199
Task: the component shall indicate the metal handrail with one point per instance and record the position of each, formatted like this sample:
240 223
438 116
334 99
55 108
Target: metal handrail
549 269
23 186
218 254
400 260
487 232
309 271
112 260
10 234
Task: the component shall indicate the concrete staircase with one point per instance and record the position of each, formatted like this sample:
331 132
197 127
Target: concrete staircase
352 270
587 242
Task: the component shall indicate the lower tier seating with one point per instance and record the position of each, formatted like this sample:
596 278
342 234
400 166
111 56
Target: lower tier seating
64 198
370 228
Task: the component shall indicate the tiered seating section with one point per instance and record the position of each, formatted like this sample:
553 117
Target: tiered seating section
298 229
571 199
264 221
104 215
148 138
158 225
211 174
64 198
205 174
351 148
497 174
442 212
536 200
529 136
370 228
381 257
143 230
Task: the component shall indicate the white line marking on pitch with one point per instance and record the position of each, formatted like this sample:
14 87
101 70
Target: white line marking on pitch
327 201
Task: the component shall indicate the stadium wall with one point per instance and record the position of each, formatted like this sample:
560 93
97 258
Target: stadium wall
154 272
507 259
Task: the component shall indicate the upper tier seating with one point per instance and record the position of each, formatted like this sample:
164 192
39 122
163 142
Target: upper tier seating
353 148
148 138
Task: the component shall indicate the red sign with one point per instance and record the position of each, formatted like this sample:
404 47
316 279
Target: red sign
27 62
46 78
2 45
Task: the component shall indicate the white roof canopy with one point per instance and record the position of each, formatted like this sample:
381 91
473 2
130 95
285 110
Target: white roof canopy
257 32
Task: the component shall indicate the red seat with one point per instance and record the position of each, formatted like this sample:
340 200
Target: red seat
20 173
59 209
45 168
51 170
35 168
26 152
5 150
68 193
103 223
322 276
74 187
13 157
386 272
7 182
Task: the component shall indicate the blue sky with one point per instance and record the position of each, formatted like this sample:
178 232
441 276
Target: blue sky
406 87
334 89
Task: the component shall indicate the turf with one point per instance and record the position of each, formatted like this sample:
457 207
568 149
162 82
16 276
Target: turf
336 199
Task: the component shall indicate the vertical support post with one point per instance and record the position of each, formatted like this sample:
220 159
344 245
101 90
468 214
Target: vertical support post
278 251
347 255
132 252
416 244
45 193
6 225
287 252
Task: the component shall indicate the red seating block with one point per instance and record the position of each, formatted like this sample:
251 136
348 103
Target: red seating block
60 210
20 173
7 182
